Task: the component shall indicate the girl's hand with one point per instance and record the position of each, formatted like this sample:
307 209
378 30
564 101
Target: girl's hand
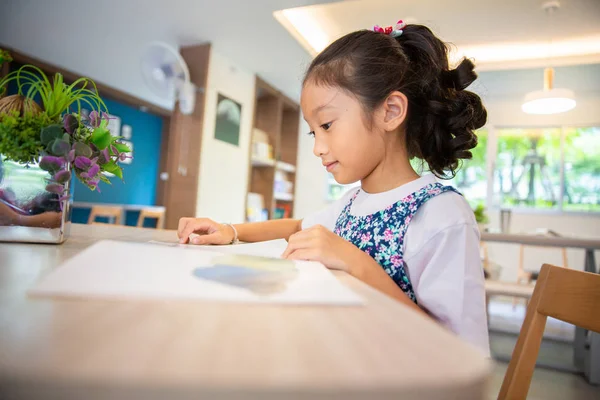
209 231
320 244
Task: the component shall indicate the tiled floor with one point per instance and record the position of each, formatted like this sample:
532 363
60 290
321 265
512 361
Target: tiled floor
506 317
556 350
548 385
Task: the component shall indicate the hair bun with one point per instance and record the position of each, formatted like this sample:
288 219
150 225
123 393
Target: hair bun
460 77
466 111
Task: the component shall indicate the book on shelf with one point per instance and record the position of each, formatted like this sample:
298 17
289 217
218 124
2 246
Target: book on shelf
283 211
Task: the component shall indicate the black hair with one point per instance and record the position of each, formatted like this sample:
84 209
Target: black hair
441 115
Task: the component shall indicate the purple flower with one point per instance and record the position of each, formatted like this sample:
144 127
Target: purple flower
104 156
71 156
93 184
123 157
51 163
95 119
70 123
92 172
62 176
55 188
82 162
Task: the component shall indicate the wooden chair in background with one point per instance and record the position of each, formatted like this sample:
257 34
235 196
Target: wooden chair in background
528 277
561 293
152 214
111 212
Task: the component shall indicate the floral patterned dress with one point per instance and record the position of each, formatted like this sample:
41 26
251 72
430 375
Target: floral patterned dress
381 235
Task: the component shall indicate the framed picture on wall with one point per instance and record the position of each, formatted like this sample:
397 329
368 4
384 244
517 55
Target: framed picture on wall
227 126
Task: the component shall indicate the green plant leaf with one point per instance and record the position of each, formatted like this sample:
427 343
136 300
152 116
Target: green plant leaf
104 179
60 147
82 149
101 138
122 147
51 133
113 168
20 137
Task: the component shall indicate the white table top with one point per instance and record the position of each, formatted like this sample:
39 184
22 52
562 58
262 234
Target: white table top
60 348
542 240
508 288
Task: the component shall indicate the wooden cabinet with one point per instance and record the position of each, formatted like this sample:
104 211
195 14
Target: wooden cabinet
273 155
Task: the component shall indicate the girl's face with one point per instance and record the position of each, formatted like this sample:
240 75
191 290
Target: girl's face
348 148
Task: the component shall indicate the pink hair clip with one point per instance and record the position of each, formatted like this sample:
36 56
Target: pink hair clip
400 25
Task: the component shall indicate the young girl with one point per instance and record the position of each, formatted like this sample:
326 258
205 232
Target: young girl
374 100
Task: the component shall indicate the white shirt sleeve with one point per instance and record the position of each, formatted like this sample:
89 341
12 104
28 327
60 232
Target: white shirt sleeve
447 277
326 217
329 215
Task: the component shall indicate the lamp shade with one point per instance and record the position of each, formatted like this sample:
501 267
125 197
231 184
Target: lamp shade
551 101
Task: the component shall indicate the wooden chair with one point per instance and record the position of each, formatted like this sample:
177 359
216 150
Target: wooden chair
491 269
110 212
561 293
528 277
154 214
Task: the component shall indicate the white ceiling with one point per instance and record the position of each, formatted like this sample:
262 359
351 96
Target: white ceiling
498 35
469 21
103 38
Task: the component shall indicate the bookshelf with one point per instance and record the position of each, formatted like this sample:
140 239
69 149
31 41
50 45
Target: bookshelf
273 155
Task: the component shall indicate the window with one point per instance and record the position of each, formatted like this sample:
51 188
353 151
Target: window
582 169
336 190
471 178
527 168
549 168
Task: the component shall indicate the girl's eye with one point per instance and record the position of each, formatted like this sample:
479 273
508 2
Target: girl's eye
325 127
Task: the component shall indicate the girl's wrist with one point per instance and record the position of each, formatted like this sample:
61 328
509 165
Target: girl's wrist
232 233
355 262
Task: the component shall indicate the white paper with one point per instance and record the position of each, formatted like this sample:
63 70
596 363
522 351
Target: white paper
122 270
271 248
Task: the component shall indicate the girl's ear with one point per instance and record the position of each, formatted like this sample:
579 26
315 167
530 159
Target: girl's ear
393 111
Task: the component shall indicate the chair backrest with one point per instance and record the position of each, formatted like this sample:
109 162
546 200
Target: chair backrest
159 215
564 294
106 211
521 265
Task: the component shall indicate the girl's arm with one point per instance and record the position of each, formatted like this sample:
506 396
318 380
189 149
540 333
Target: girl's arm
318 243
211 232
366 269
268 230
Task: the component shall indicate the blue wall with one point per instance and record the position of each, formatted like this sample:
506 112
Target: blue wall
140 177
